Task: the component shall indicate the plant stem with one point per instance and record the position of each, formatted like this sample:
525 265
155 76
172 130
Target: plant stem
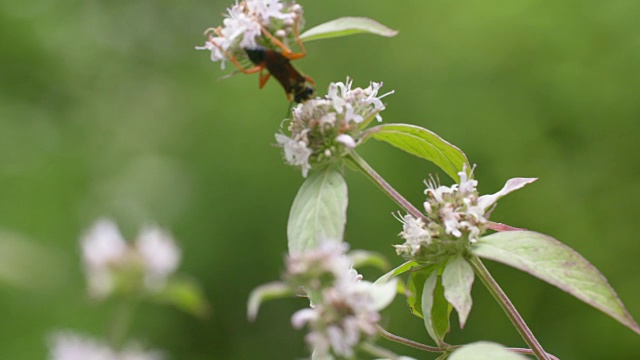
384 186
399 339
502 299
120 322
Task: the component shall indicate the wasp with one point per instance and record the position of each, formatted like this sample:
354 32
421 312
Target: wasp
298 87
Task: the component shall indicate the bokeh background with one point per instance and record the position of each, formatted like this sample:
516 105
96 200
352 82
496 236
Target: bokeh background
106 110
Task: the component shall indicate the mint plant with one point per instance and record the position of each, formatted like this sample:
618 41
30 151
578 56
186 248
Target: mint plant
444 239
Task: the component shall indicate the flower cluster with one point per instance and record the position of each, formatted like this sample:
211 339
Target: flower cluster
344 311
70 346
324 129
456 217
112 264
245 26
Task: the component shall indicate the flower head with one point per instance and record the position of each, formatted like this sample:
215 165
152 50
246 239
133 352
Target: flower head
345 309
456 217
245 25
324 129
111 263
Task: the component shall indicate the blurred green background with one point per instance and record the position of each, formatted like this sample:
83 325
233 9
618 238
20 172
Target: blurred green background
106 109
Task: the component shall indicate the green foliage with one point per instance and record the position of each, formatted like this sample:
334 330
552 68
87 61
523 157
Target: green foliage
185 294
436 309
550 260
424 144
483 350
347 26
319 211
262 293
457 279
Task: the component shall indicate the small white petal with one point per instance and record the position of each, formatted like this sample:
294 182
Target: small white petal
486 201
347 140
160 255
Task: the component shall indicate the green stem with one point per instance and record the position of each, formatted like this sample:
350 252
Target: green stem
502 299
120 323
384 186
399 339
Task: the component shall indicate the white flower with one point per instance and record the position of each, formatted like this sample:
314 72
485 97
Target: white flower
103 245
455 212
324 130
345 308
103 249
347 140
160 255
70 346
296 153
106 255
244 23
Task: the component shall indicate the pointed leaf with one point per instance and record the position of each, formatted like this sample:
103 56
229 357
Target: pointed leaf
550 260
484 350
185 294
424 144
346 26
415 286
383 293
397 271
436 309
514 184
319 211
361 258
441 311
270 291
457 279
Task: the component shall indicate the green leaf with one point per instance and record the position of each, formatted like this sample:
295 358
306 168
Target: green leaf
397 271
436 309
440 311
457 279
346 26
185 294
415 286
361 258
423 144
484 350
550 260
382 293
270 291
319 211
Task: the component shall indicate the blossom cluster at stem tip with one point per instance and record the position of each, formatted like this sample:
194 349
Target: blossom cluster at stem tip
456 217
322 130
246 23
345 308
110 261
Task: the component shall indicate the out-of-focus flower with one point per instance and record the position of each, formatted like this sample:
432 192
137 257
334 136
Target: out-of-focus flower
456 217
345 309
110 262
71 346
323 130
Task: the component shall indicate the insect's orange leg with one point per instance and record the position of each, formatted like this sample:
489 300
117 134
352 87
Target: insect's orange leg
310 80
233 59
264 77
286 51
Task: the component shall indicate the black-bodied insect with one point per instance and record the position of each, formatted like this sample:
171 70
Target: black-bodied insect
297 87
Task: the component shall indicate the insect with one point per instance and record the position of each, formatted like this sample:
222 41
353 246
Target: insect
279 66
297 87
